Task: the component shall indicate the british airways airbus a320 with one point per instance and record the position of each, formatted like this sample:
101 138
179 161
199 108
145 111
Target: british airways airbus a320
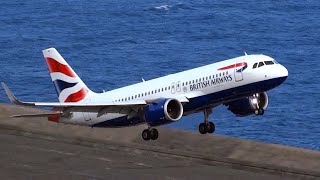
239 83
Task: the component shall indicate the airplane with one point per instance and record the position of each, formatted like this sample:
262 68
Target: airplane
239 83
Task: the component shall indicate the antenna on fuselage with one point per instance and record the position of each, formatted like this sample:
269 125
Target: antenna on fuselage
142 80
245 53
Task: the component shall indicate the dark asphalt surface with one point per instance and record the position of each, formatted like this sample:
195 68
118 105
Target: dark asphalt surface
38 149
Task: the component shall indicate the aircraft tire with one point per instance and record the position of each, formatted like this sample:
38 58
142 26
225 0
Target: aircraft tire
202 128
146 134
261 112
154 134
256 112
210 127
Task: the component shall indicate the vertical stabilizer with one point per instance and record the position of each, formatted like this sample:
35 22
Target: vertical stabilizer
69 87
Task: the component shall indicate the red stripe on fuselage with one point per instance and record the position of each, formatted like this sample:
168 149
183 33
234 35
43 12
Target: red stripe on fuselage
78 96
233 66
55 66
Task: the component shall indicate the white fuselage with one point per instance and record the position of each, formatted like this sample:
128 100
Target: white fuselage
224 79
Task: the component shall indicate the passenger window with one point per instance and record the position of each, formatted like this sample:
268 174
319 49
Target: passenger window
255 65
260 64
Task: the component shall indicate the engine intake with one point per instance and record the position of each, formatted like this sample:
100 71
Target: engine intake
163 111
248 105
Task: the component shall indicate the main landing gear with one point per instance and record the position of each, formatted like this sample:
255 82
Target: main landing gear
150 133
207 126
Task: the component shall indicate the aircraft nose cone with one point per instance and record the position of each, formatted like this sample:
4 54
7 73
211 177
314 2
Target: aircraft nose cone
283 72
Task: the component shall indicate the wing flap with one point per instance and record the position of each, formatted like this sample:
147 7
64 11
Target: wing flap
37 115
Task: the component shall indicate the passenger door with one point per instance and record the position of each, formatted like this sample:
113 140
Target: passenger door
173 88
237 71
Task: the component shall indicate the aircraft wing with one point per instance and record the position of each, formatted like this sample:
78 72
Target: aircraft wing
122 107
101 108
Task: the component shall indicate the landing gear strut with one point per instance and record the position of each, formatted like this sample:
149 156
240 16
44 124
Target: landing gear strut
148 134
258 111
207 126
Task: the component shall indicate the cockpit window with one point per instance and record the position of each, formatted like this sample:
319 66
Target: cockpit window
255 65
268 62
260 64
276 62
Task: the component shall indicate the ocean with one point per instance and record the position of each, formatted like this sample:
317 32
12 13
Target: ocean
114 43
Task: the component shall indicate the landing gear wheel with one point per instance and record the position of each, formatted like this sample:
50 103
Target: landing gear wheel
210 127
154 134
202 128
259 112
146 134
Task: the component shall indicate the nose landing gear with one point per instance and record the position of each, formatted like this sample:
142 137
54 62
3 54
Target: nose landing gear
259 112
207 126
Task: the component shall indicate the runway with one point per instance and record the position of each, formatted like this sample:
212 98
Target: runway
39 149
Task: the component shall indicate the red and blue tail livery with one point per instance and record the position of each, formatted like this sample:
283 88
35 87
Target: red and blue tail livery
68 85
240 83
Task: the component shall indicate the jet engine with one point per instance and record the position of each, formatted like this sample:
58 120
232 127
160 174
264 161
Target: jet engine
163 111
254 104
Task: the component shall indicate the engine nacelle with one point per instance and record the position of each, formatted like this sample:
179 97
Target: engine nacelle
163 111
248 105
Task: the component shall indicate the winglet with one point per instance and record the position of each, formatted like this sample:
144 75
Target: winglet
12 98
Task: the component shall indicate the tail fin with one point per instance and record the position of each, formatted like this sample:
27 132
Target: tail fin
69 87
